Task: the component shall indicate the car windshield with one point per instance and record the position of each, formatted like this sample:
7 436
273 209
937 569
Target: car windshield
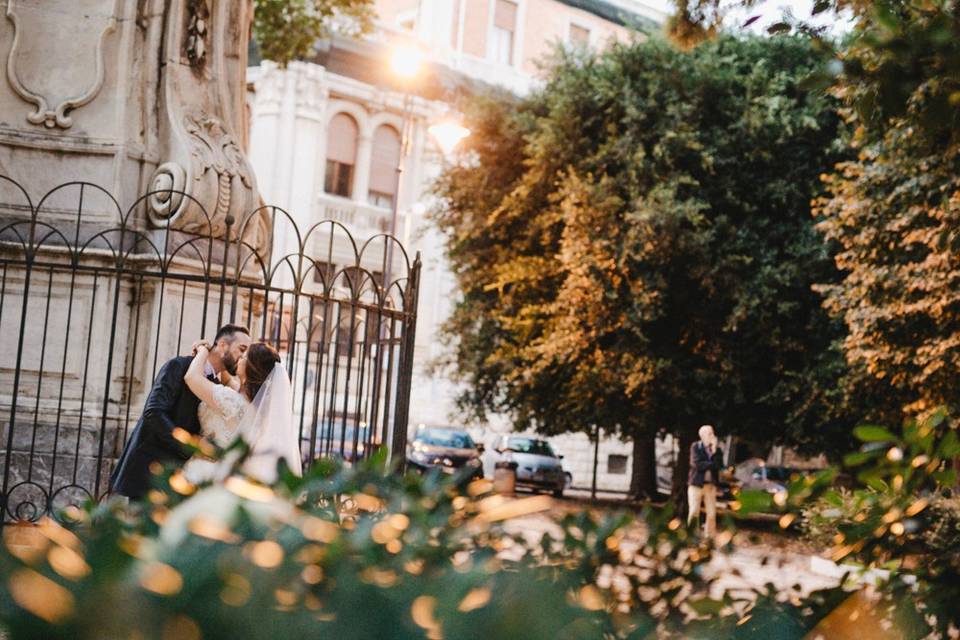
445 438
779 474
529 445
337 430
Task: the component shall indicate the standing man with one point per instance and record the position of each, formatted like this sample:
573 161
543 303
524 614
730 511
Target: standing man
171 404
706 458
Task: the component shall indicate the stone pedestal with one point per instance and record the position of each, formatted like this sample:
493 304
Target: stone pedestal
142 103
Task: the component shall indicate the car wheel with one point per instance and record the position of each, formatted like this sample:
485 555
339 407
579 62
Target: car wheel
558 492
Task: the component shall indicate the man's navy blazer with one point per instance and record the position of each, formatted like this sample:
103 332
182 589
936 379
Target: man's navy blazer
170 404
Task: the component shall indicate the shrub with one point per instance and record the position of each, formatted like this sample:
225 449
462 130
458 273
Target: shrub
346 553
363 552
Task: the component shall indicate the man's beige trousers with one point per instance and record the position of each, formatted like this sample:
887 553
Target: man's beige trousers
708 495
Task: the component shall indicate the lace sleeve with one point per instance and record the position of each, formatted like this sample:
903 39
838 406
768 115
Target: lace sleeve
230 404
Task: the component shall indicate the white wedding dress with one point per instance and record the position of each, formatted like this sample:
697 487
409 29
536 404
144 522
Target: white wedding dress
220 424
266 424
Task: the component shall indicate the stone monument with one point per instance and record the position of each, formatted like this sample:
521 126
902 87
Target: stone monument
144 102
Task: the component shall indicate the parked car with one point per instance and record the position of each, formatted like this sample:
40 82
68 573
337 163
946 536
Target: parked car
337 440
755 474
446 450
538 466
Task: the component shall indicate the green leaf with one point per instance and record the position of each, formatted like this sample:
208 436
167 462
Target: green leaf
832 498
873 433
949 446
874 481
706 606
754 501
860 457
947 478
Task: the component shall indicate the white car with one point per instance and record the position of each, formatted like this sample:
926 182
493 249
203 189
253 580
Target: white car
538 466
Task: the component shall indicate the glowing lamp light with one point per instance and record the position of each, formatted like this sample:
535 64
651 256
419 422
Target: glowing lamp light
405 61
448 135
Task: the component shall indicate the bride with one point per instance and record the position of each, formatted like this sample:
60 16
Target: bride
255 405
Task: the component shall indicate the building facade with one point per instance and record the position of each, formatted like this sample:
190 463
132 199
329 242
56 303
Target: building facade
327 136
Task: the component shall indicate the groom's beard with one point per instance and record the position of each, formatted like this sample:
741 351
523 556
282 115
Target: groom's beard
229 363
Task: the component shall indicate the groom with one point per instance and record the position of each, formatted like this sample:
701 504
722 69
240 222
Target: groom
171 404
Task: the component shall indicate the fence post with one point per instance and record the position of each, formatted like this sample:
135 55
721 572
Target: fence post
223 272
402 415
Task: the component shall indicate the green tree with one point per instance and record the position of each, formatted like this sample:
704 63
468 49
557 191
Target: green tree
287 30
635 248
894 211
899 61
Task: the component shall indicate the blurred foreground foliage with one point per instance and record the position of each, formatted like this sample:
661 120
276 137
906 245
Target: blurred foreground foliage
363 552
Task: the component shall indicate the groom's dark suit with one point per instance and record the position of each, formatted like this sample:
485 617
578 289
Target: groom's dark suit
170 404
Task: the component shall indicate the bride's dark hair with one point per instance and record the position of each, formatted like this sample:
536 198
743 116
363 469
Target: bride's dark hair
261 358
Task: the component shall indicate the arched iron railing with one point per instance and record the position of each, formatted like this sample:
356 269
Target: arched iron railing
93 301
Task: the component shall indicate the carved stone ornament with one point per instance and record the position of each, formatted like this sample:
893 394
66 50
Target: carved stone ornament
214 148
198 20
166 191
216 162
53 93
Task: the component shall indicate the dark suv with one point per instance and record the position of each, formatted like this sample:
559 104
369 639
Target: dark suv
446 450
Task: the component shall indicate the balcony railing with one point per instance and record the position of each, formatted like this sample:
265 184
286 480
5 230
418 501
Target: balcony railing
362 220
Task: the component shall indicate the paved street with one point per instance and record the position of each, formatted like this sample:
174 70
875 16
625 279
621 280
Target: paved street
748 567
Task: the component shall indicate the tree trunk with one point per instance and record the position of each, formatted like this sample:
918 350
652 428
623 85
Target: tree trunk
643 479
681 471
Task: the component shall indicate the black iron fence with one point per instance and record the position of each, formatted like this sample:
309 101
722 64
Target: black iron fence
94 298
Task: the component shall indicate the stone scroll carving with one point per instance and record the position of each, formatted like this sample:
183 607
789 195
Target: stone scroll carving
216 162
55 93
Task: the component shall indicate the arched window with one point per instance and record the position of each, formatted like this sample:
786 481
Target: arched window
341 155
383 167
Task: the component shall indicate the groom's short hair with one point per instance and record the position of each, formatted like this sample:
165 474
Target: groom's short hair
228 330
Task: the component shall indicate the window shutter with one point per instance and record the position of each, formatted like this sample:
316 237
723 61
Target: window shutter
505 16
384 161
342 139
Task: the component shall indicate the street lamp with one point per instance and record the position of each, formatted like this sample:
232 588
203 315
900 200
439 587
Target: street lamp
405 61
448 135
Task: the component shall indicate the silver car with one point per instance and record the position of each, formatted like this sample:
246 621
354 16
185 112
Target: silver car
538 466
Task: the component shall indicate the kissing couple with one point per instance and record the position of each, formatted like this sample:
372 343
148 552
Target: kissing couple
233 388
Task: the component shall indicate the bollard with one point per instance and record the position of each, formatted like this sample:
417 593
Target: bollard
505 477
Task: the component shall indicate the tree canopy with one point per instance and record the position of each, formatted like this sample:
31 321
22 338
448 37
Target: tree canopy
287 30
894 211
635 249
